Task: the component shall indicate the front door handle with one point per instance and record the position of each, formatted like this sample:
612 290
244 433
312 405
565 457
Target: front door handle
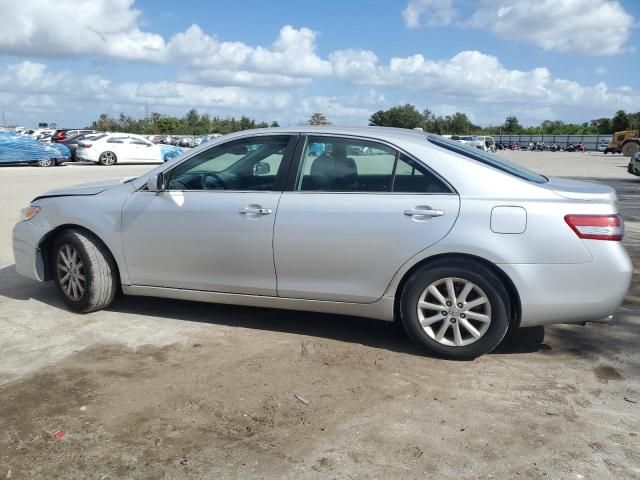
424 212
251 210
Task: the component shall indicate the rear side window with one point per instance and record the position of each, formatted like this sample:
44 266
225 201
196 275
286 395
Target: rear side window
490 159
336 164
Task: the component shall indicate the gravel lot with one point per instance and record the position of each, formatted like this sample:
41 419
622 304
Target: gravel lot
156 388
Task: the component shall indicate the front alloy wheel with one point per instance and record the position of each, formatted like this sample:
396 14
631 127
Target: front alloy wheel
70 272
85 272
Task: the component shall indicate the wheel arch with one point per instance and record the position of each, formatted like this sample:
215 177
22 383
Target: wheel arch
444 258
46 246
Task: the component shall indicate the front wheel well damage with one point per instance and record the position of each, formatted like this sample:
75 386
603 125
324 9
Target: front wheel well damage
443 259
47 242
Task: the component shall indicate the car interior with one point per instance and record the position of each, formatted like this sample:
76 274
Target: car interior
238 166
345 167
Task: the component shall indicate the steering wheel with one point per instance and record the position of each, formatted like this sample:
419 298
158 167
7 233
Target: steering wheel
216 178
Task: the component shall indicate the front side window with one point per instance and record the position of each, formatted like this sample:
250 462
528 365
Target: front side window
355 165
246 164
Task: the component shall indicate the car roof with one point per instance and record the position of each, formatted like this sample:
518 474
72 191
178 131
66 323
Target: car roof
388 134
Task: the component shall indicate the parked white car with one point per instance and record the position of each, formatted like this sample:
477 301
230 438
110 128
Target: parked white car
114 148
488 143
470 140
603 144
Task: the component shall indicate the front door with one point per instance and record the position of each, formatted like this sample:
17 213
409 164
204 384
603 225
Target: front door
212 227
358 211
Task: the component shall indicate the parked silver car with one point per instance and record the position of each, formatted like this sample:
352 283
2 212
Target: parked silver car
457 244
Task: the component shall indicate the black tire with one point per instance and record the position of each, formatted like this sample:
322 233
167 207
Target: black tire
629 149
107 159
99 271
470 271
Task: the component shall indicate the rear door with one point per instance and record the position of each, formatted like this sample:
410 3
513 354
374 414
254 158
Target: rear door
355 211
144 150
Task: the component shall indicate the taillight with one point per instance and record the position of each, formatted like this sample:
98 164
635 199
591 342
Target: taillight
59 136
596 227
87 145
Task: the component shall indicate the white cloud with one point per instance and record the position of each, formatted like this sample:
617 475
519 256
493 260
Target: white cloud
77 27
589 27
111 28
477 77
437 13
27 78
33 89
290 60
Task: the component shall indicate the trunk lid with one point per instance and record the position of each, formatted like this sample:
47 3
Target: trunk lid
580 190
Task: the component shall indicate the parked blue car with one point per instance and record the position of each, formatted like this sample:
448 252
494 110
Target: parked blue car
18 149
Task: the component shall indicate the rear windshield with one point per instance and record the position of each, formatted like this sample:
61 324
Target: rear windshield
490 159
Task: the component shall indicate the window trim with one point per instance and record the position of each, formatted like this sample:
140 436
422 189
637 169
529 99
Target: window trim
281 176
296 164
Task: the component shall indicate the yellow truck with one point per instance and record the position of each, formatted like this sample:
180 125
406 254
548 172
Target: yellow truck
626 142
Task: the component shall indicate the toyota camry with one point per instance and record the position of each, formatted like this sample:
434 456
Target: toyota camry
457 244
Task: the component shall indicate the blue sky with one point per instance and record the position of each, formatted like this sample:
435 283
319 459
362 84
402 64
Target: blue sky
570 60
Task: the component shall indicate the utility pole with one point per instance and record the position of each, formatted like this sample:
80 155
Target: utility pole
4 123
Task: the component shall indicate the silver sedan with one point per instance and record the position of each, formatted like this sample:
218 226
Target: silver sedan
457 244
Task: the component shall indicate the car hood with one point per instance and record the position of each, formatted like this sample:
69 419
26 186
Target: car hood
91 188
580 190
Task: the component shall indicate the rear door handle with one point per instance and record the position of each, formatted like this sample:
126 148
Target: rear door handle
424 212
254 211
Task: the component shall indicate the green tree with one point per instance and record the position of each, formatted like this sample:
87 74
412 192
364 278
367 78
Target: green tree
634 120
168 125
401 116
460 123
274 124
620 121
318 119
602 125
191 122
511 125
105 123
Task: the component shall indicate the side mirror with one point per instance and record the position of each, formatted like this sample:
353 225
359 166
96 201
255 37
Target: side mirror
261 168
155 183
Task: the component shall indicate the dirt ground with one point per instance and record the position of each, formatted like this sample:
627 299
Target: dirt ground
154 388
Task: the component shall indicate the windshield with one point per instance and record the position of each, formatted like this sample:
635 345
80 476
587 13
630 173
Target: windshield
490 159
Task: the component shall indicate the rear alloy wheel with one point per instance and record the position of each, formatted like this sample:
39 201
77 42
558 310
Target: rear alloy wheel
459 317
46 162
107 158
84 271
457 311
